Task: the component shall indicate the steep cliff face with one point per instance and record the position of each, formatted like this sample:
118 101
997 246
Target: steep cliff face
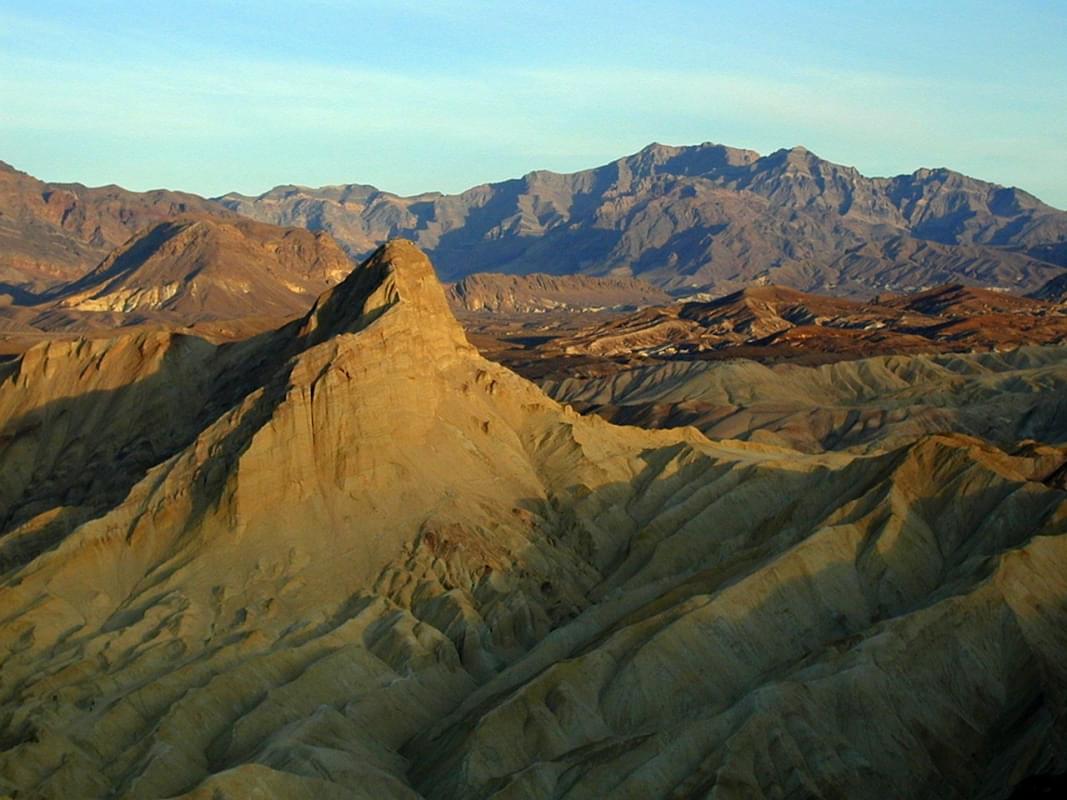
352 558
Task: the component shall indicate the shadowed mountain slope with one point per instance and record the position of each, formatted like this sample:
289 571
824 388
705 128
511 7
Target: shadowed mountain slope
708 217
376 565
54 232
1055 290
198 268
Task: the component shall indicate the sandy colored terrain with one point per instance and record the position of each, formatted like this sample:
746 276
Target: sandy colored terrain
864 404
353 558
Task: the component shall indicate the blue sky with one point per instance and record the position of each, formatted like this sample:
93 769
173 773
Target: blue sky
412 96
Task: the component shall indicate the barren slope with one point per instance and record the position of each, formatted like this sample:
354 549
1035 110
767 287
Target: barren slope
55 232
381 566
869 404
199 268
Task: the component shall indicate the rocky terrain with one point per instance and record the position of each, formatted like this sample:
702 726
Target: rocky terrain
773 323
708 217
863 404
353 558
704 218
227 278
52 233
537 293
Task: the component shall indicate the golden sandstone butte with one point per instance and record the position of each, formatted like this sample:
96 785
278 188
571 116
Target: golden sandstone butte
350 557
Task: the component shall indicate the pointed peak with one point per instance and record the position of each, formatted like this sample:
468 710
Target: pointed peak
797 153
935 173
410 269
656 152
396 275
797 157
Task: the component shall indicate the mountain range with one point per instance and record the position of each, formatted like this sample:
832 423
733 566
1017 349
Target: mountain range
711 218
705 218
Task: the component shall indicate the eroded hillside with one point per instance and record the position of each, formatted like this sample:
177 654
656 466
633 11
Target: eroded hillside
353 558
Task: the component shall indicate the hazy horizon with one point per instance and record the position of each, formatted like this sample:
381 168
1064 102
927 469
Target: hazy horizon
443 96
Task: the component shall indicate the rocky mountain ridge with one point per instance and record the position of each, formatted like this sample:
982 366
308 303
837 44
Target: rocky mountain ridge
687 219
709 217
55 232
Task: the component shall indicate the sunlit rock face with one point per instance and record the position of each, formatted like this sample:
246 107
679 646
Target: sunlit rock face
197 268
353 558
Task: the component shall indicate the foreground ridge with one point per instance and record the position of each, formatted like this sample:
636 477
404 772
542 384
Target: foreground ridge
353 558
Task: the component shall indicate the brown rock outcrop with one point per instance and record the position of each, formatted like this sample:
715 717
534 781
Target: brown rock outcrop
197 268
535 293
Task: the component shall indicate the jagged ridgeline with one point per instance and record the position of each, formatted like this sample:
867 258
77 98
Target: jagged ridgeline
698 218
352 558
708 217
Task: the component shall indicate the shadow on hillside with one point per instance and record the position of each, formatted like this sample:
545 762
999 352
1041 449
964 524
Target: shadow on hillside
491 239
823 618
18 295
130 258
73 459
825 615
560 251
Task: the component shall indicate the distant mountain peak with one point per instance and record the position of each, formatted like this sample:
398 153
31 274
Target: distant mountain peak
702 217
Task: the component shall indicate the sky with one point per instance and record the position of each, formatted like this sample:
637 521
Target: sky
412 96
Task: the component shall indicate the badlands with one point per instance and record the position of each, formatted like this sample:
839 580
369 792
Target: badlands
351 557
